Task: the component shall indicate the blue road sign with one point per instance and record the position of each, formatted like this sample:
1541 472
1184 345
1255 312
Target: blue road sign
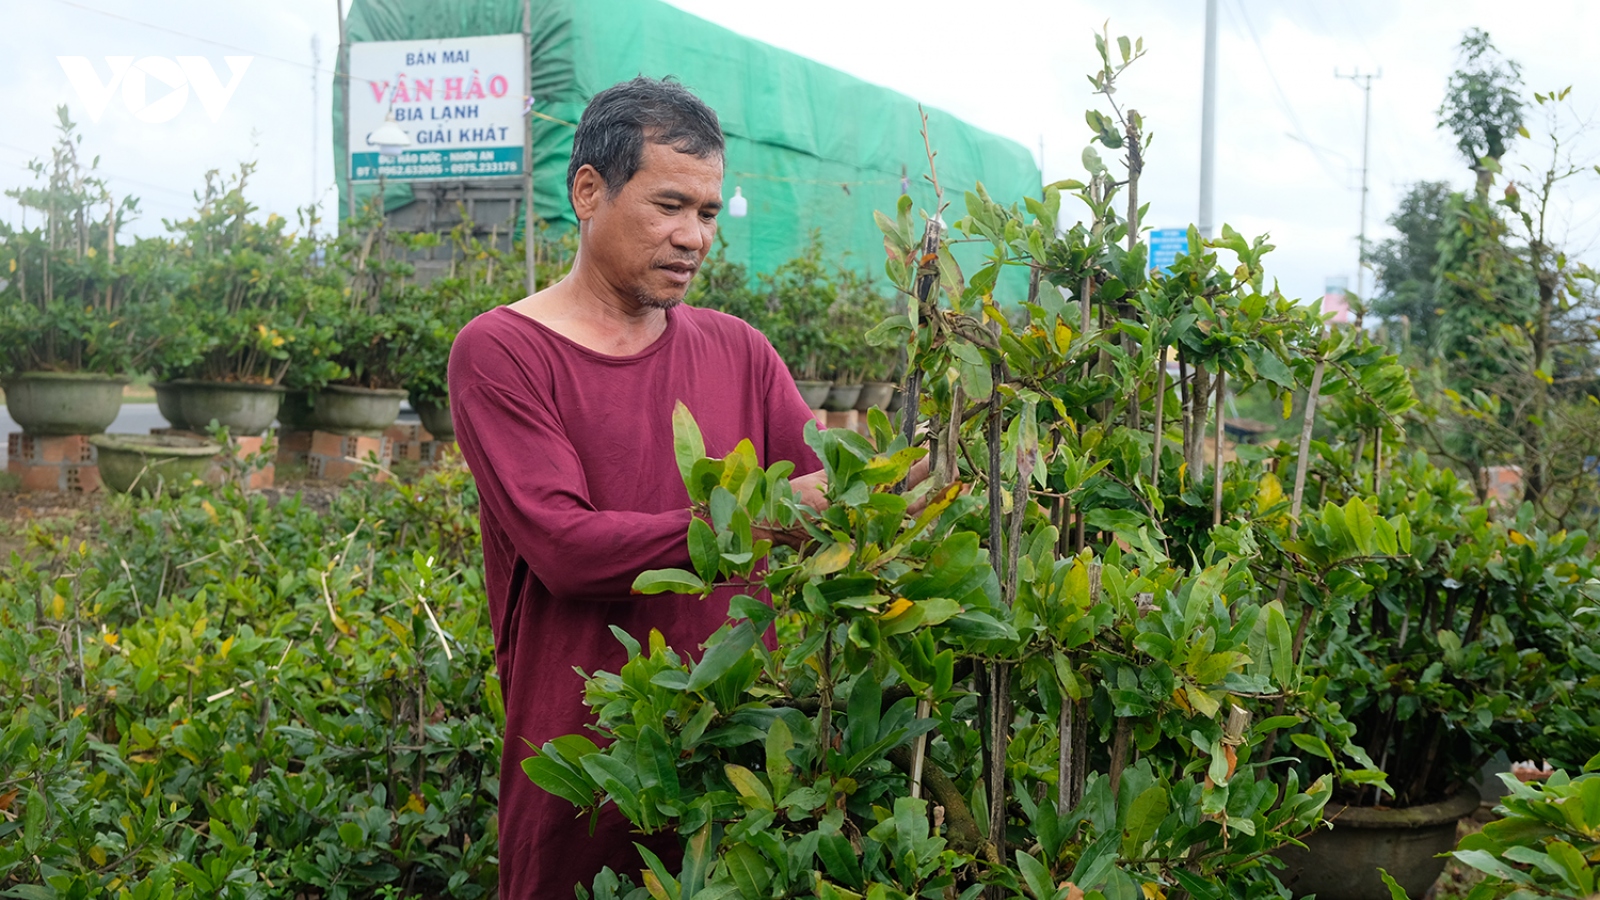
1165 245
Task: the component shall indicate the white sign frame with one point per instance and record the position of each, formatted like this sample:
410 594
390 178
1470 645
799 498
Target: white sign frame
460 100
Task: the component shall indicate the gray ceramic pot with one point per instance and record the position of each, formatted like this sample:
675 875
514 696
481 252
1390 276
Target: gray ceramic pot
365 412
63 402
246 409
842 397
435 416
1343 863
814 393
169 401
875 394
149 463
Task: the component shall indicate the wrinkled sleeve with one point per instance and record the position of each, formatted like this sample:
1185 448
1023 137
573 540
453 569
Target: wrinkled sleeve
531 478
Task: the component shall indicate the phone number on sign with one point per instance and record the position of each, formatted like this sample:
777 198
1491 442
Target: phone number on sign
446 170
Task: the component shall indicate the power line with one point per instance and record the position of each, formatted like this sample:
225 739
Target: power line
205 40
1283 98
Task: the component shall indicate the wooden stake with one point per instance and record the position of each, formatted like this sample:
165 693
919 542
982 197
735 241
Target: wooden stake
1216 491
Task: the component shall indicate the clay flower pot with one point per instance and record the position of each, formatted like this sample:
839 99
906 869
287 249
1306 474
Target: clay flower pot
842 397
150 463
245 409
435 416
814 393
64 402
363 412
1342 863
875 394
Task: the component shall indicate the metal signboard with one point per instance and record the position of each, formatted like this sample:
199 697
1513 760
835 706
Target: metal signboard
460 100
1165 245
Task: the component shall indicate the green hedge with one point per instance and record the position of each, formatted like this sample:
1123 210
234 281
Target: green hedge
240 696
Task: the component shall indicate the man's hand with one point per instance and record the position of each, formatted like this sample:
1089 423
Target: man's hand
811 489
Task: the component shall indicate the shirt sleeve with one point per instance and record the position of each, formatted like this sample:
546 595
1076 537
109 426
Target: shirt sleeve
531 478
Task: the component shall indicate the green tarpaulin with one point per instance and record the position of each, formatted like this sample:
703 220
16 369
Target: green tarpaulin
812 149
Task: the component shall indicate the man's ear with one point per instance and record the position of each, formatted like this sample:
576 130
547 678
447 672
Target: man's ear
588 191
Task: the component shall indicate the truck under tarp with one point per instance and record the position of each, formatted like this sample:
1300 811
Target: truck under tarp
813 149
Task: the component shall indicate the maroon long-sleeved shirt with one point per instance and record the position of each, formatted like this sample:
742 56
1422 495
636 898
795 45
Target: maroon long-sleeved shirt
580 492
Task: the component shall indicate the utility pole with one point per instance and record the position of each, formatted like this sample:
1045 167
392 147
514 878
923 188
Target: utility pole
1208 126
1365 83
528 257
316 115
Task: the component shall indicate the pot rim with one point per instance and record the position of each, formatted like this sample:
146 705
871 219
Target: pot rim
48 375
1447 810
224 385
365 392
146 445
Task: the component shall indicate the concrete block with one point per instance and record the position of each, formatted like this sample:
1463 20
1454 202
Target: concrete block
849 419
82 479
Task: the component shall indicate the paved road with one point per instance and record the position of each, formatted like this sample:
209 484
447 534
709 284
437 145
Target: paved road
137 418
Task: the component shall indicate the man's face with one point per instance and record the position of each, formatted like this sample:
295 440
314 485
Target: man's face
649 240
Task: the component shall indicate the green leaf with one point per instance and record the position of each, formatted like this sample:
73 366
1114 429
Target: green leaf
1312 744
1144 817
556 778
721 656
839 858
748 869
352 835
1281 642
657 763
668 581
687 444
1036 876
703 550
749 786
779 742
1396 892
1358 518
1486 862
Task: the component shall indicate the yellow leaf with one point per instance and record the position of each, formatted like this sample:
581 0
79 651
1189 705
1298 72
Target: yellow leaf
98 855
1182 701
830 560
210 510
13 264
653 885
1063 335
1152 891
1518 538
58 607
227 644
899 606
1270 492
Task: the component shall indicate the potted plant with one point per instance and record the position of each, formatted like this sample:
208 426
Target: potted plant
1436 633
798 295
225 339
481 278
67 294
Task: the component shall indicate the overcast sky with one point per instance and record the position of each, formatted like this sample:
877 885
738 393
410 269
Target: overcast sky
1289 132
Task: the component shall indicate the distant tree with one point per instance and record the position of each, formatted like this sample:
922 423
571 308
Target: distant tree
1407 265
1483 105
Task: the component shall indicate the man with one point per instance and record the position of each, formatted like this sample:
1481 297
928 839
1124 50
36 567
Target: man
563 409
